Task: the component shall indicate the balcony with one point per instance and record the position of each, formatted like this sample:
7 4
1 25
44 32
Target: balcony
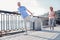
10 22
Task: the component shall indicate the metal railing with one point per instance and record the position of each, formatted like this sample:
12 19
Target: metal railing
13 22
10 21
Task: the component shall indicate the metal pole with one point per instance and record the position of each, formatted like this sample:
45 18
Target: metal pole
11 22
15 22
3 22
7 24
19 21
1 27
8 21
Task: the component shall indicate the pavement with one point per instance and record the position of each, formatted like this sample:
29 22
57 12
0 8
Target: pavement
45 34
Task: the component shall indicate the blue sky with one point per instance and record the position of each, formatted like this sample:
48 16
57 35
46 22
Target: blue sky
37 7
47 3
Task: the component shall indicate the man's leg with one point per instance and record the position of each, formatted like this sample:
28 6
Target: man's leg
25 22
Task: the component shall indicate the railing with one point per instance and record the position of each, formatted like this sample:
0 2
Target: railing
13 22
9 22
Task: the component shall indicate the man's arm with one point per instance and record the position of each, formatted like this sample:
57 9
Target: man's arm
29 12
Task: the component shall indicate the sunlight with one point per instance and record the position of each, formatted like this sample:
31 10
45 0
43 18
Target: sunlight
11 5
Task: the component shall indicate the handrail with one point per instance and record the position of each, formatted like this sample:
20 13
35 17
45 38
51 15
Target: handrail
6 19
2 11
10 18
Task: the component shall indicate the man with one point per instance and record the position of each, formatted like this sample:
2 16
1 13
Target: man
24 14
51 18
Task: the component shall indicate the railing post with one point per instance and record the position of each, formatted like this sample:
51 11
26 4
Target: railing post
11 22
7 23
1 27
3 22
19 21
16 22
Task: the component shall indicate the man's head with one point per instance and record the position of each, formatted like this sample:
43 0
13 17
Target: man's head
19 4
51 8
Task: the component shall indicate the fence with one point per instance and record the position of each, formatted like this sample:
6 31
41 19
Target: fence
10 21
